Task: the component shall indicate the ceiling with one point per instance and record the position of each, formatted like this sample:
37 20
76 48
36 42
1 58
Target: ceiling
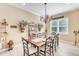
52 8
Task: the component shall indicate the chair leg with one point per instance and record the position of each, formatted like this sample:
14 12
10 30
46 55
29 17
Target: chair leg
52 50
35 54
24 53
55 45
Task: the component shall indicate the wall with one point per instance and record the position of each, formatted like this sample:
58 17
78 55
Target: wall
13 16
73 24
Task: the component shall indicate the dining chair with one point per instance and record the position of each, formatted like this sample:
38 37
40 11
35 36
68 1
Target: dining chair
28 51
47 49
56 40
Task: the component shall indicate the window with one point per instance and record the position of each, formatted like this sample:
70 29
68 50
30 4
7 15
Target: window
54 25
59 25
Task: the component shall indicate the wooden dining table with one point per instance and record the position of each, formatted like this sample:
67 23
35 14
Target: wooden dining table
37 43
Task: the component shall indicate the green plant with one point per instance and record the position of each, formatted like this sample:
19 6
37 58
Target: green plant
22 24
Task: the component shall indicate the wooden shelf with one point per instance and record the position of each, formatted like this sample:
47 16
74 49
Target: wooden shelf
32 28
3 25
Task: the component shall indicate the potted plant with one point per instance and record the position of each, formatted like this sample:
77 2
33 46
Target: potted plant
22 24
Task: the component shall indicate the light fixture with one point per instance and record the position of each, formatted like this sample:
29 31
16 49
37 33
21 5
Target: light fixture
23 4
68 3
45 17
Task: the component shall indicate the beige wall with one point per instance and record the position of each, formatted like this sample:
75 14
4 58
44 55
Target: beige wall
73 24
13 16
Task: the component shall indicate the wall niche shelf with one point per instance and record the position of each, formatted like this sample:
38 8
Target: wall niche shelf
32 28
3 31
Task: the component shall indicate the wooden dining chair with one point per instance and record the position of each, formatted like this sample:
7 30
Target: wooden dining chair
47 49
28 51
56 40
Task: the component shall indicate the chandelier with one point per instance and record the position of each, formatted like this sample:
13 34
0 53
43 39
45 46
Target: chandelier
45 17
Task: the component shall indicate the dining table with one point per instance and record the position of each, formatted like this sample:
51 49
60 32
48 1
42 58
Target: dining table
37 43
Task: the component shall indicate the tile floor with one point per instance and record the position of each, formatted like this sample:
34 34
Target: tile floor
64 49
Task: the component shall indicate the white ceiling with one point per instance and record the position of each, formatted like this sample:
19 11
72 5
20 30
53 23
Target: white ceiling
52 8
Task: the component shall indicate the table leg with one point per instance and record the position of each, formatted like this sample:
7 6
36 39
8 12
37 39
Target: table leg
37 51
52 49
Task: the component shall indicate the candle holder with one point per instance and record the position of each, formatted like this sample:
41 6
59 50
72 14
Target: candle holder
76 33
